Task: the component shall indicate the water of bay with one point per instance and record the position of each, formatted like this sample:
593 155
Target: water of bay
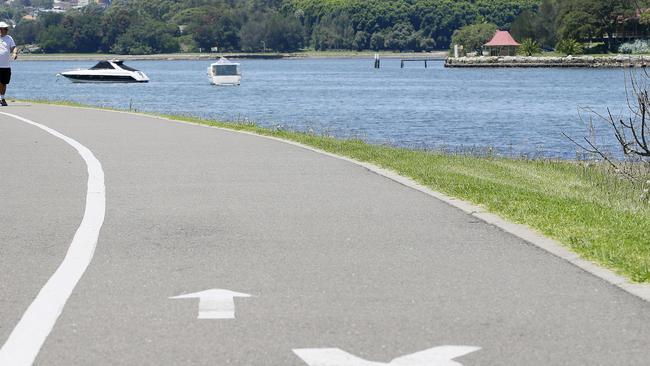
513 111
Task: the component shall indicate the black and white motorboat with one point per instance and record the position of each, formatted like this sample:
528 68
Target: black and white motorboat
110 71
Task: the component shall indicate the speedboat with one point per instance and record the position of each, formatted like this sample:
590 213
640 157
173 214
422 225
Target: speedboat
224 72
110 71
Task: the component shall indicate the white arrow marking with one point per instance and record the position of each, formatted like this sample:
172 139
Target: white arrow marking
439 356
26 340
215 303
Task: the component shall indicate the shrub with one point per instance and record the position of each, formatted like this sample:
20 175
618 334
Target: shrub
636 47
569 47
529 47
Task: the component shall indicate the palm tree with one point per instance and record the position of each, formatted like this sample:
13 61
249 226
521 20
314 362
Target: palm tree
529 47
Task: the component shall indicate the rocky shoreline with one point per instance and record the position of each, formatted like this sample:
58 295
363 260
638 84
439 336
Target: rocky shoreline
568 61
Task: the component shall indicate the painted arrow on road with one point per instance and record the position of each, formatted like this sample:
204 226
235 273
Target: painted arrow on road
439 356
215 303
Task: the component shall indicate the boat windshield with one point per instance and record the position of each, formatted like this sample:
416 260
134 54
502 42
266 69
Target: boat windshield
120 64
102 65
225 70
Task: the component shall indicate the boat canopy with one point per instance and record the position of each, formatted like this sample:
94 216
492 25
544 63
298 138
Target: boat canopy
102 65
106 65
225 70
223 67
122 65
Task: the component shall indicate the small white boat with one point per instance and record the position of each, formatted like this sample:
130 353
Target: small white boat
224 72
110 71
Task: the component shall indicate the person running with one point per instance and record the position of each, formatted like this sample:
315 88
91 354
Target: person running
7 49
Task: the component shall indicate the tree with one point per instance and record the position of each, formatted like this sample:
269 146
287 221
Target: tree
578 24
146 37
215 27
377 41
473 37
26 32
284 33
631 132
361 41
539 24
55 39
401 37
253 35
588 18
85 30
114 23
333 32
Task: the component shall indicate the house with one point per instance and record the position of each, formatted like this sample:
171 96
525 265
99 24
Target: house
502 44
631 26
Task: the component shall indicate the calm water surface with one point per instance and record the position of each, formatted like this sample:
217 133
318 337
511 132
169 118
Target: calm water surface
515 111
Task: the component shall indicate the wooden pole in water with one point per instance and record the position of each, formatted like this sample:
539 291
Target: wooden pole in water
377 62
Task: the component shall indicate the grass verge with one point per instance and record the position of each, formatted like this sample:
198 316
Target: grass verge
584 206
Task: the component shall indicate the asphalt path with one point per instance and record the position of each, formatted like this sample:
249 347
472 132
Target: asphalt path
333 255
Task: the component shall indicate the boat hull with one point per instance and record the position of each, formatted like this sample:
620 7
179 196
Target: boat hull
102 78
233 80
105 75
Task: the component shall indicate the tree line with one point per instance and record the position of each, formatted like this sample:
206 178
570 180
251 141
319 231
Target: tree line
604 22
161 26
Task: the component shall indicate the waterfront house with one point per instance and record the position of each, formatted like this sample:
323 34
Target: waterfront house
502 44
631 26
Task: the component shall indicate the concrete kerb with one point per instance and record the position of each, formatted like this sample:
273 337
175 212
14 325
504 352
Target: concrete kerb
521 231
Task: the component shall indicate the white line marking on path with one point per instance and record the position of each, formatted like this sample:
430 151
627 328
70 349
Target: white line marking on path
439 356
215 303
27 338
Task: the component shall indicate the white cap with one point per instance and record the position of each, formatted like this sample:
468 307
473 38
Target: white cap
4 25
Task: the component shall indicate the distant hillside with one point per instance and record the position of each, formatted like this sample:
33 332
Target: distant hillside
398 24
157 26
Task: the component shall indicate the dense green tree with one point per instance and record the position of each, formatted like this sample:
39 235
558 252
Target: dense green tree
582 20
401 37
333 32
147 37
588 18
55 39
284 34
377 41
26 32
538 25
253 35
361 41
578 24
115 22
473 37
215 27
85 31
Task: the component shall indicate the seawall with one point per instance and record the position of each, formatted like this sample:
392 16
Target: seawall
569 61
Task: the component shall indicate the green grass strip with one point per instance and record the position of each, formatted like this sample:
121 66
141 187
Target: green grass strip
584 206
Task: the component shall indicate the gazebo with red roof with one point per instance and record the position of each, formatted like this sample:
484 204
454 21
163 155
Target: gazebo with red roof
502 44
